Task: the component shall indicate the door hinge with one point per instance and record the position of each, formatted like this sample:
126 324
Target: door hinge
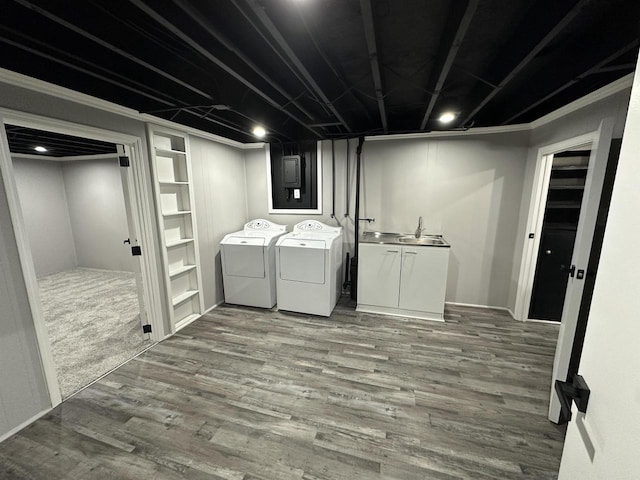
146 328
136 251
124 161
578 391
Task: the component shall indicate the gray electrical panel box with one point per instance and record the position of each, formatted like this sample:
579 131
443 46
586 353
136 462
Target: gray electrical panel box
292 171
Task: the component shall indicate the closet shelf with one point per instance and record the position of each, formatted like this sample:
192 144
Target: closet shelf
566 187
176 213
163 151
176 243
184 296
183 322
162 183
563 205
571 167
181 270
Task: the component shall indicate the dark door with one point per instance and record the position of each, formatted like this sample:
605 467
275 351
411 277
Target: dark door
552 273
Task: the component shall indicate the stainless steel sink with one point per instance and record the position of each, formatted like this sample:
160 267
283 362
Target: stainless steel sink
379 237
403 239
426 240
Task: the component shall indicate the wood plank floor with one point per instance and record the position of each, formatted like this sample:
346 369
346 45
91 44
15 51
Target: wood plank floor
244 394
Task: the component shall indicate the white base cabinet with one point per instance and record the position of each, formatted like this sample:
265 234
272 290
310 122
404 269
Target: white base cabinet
402 280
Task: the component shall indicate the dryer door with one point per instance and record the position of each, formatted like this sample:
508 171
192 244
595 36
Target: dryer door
302 260
243 257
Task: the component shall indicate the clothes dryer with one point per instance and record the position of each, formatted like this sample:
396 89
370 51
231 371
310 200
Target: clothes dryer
249 264
309 268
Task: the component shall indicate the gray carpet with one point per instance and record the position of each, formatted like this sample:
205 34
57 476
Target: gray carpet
93 319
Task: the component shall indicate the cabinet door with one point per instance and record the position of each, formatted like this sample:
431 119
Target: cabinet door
379 275
424 278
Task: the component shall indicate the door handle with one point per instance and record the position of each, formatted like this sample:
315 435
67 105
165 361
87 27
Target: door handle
128 240
578 391
572 271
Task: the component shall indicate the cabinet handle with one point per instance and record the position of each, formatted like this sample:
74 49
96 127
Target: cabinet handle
411 253
392 251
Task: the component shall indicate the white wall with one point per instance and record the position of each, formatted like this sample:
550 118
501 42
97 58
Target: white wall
23 393
46 214
610 360
219 189
466 187
98 215
582 121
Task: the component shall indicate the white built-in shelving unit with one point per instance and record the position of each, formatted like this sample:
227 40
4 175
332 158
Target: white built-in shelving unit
177 223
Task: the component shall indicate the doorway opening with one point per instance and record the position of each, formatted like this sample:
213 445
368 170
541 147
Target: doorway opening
560 223
139 206
77 221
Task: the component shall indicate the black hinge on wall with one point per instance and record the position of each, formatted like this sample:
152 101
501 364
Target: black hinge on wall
136 251
124 161
146 328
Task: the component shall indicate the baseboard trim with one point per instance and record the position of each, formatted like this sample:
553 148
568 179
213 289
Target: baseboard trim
214 306
475 305
548 322
487 307
24 424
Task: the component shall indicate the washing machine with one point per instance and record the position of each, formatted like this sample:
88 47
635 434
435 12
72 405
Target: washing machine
309 268
249 264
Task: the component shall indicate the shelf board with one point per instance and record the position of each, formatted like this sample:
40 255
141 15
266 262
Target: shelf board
571 167
176 243
184 296
181 270
566 187
164 151
179 212
172 183
563 205
183 322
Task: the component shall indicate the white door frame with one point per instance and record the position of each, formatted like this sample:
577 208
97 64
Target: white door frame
142 217
537 206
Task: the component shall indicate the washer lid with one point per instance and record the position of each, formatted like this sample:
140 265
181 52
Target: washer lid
244 240
301 242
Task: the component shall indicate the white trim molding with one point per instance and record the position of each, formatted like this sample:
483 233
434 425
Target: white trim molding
535 216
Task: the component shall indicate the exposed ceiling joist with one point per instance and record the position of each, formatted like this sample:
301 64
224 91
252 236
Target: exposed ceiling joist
293 58
116 83
370 35
559 27
343 83
209 56
595 69
446 62
110 46
196 15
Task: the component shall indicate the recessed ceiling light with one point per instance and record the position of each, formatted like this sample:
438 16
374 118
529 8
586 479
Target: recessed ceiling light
40 149
259 131
447 117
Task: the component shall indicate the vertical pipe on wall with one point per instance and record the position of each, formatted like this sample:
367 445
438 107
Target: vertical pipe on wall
333 179
346 182
354 260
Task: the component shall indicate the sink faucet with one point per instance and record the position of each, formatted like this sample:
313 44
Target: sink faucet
419 229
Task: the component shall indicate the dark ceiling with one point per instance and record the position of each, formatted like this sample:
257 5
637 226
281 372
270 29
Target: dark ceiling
24 140
325 68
